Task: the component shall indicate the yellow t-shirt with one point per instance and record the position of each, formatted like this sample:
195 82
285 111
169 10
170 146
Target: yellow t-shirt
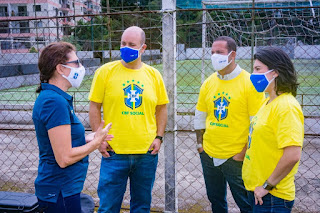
129 98
277 125
229 105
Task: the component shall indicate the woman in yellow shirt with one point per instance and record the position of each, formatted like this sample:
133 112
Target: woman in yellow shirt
276 134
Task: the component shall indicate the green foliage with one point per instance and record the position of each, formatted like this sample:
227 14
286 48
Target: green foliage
72 40
188 32
91 34
33 50
94 34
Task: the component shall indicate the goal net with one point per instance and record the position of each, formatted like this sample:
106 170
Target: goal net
287 44
266 22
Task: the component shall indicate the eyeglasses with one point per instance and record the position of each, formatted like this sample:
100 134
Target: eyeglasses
74 62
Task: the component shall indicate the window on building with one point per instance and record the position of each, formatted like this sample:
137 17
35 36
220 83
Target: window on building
15 27
40 40
38 24
24 27
22 11
22 43
4 27
3 11
36 8
6 44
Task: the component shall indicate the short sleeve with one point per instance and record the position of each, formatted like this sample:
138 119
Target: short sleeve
55 112
201 105
98 86
255 100
161 90
289 127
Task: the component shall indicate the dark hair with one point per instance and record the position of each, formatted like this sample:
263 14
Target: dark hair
279 61
231 43
52 55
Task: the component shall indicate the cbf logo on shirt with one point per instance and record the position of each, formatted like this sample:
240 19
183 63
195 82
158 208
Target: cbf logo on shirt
221 106
133 94
251 128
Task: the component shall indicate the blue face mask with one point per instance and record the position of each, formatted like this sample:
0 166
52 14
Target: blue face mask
260 81
129 54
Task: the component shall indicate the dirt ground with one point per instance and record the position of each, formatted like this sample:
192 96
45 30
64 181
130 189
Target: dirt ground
19 161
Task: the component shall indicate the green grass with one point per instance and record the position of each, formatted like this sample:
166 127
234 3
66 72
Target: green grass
188 78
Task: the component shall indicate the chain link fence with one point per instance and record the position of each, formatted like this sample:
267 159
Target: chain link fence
179 45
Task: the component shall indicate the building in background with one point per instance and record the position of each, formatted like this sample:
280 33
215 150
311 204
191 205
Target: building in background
25 27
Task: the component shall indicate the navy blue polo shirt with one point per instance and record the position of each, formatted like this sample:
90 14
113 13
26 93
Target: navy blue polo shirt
53 108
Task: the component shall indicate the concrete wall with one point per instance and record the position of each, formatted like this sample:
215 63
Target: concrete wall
307 52
32 58
18 58
196 53
300 52
28 80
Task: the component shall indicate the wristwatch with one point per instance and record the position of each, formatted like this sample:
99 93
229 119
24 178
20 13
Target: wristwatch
160 138
267 186
199 145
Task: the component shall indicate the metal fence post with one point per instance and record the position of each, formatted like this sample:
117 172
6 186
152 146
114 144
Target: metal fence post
204 40
57 24
169 74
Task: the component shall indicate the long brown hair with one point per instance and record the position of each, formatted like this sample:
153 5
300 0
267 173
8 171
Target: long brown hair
52 55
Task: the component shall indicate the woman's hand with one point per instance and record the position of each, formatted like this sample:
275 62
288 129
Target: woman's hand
101 135
90 137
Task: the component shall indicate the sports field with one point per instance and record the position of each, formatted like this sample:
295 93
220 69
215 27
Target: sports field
188 78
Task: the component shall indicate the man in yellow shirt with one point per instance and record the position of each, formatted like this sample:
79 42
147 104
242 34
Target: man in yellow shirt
133 97
226 101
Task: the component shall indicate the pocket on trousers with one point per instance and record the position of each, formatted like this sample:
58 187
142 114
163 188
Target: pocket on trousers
111 153
149 153
239 162
288 204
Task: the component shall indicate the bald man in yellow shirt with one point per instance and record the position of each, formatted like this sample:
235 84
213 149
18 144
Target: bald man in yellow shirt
133 97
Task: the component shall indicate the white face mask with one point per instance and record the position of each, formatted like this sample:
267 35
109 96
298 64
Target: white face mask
76 75
219 62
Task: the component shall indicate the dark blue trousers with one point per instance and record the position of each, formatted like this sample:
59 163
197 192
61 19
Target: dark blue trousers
69 204
216 178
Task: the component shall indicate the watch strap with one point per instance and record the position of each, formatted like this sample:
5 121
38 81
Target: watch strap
160 138
199 145
268 186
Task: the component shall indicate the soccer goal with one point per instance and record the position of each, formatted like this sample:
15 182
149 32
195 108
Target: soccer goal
256 24
287 44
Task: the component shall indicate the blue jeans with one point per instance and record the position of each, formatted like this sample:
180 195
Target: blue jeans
114 173
69 204
216 178
271 204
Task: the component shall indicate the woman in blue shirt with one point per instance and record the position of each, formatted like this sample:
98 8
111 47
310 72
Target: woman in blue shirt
63 151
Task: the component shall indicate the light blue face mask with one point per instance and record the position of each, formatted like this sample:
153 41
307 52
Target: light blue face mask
260 81
129 54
